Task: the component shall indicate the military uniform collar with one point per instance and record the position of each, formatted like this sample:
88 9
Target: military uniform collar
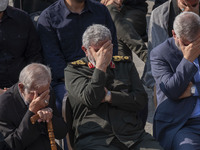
85 61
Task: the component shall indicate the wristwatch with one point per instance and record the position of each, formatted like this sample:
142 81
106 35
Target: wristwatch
192 90
108 97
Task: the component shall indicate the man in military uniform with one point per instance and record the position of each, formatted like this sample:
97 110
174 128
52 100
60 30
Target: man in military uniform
106 95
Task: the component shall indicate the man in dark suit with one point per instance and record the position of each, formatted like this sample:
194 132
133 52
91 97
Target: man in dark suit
30 96
175 67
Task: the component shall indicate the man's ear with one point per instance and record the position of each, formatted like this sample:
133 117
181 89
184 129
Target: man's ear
174 34
21 87
85 50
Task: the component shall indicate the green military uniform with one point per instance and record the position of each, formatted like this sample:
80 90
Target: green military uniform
98 124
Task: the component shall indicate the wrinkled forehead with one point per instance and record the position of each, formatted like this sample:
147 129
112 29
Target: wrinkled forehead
99 44
187 42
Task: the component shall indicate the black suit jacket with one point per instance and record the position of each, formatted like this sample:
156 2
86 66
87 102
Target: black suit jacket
19 133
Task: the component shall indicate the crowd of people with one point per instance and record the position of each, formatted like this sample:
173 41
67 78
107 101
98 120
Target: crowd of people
82 50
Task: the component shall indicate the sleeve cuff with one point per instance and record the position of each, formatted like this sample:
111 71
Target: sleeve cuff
99 77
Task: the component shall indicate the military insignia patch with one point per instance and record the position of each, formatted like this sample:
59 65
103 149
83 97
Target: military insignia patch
78 63
121 58
90 65
112 65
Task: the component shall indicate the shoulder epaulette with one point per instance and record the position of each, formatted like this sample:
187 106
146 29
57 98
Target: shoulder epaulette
121 58
78 63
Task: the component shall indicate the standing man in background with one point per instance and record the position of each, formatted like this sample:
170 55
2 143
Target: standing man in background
129 17
19 44
175 68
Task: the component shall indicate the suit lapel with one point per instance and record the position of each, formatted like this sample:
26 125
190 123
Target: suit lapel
197 83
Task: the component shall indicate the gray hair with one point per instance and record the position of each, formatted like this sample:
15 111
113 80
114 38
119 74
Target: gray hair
35 75
187 25
94 34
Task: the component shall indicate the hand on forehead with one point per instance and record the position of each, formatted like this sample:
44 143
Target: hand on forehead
189 3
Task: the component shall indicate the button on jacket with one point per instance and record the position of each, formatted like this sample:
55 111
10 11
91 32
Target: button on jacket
99 123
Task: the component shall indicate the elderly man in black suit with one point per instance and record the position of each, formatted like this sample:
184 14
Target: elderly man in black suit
31 95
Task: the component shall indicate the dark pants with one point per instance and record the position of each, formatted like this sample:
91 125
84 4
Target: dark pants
130 25
188 137
145 142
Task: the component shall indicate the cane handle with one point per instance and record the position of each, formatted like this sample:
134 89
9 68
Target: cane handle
34 118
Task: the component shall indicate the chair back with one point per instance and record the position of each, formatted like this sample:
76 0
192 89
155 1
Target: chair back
67 114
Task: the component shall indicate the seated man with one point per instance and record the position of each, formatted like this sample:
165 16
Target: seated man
61 26
19 44
31 95
175 67
160 27
106 97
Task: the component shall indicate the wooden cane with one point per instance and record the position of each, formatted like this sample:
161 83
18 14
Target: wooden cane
34 118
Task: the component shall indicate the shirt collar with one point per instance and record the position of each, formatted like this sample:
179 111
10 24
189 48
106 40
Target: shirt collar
67 12
91 65
8 12
88 6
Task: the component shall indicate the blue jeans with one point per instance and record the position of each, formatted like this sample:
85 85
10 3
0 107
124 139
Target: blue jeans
188 137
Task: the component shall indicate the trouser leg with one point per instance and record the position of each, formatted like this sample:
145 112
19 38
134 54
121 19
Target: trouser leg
137 18
188 137
186 141
129 41
146 142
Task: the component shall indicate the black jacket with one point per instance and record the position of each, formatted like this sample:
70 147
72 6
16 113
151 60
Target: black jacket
19 45
15 125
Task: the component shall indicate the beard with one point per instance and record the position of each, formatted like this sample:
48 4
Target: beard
177 45
91 59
